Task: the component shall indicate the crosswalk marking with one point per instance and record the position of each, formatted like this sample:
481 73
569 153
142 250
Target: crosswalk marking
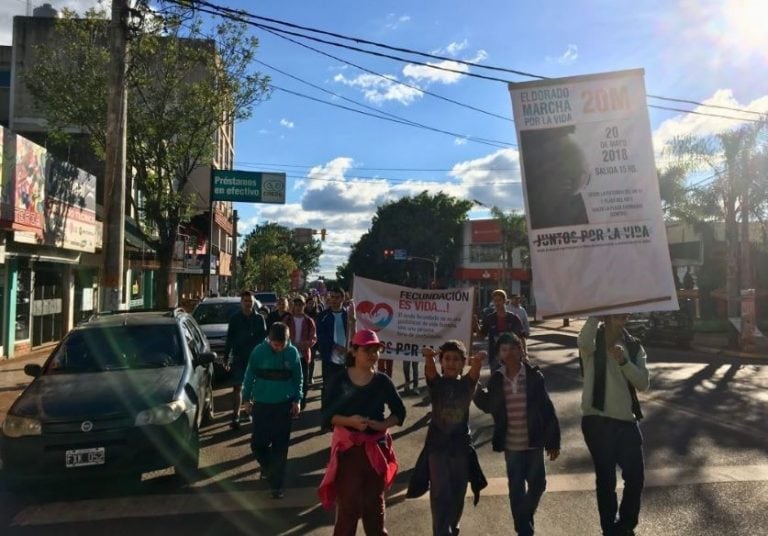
199 502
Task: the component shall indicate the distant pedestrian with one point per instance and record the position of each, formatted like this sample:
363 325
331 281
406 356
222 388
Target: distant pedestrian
516 308
272 390
614 369
303 337
411 373
448 462
245 331
497 322
333 325
279 313
362 464
385 365
524 426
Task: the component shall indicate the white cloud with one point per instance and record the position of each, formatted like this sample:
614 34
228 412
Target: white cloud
335 199
570 55
378 90
703 125
12 8
454 48
287 124
460 141
431 74
393 21
437 72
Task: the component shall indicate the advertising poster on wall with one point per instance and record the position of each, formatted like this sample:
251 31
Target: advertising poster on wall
597 238
408 318
70 207
23 188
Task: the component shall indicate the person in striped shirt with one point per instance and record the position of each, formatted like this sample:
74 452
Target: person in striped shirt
524 426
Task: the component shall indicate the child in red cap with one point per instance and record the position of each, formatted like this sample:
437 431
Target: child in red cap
362 464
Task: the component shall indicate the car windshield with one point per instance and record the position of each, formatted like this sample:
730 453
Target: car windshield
266 297
117 348
215 313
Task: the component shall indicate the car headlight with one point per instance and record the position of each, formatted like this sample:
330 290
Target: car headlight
163 414
15 426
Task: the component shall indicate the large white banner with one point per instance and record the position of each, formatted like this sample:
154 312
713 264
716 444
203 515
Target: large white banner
408 318
597 237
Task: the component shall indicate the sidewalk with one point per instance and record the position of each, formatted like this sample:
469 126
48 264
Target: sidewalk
12 377
709 343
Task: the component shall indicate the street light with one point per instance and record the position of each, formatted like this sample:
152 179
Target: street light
434 265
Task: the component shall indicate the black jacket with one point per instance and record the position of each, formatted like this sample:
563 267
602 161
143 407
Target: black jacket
543 426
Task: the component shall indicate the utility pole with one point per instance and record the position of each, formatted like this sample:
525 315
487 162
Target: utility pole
113 251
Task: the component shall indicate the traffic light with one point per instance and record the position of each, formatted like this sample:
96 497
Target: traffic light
322 235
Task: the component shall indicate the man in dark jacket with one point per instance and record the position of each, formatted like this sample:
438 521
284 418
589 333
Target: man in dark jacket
246 330
524 426
497 322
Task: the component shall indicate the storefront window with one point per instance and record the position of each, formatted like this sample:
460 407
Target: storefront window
23 297
484 253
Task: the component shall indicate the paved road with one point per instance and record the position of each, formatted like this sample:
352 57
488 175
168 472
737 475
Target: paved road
706 453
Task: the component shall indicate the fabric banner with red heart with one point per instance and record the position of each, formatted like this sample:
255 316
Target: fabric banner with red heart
408 318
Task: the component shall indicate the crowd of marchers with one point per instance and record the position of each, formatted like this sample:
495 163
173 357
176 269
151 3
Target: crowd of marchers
271 358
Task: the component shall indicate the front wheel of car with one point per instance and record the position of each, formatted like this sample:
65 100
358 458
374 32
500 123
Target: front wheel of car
186 467
209 410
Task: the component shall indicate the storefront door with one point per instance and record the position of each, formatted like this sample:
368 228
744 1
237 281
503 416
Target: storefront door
47 306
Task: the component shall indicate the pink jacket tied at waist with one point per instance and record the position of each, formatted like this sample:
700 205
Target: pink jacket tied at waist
381 458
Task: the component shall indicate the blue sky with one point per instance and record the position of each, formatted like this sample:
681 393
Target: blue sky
342 165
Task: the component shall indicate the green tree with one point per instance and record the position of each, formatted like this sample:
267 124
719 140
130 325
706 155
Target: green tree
276 242
734 193
183 86
269 272
514 235
426 226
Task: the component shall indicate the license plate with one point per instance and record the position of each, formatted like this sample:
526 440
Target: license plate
85 457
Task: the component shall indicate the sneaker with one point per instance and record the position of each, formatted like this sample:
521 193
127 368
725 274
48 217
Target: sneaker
278 494
245 419
264 474
234 424
407 391
415 391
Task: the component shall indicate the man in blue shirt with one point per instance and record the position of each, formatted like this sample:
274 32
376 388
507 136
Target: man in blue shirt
272 389
332 330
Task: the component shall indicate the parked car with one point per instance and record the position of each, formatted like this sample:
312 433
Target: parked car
267 298
121 394
213 315
662 327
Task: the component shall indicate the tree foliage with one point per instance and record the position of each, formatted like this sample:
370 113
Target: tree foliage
736 192
514 235
183 85
426 226
271 253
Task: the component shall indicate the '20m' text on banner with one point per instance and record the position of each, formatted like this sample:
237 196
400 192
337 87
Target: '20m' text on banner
408 318
597 237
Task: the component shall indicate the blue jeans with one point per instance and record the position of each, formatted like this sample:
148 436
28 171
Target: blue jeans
612 442
525 467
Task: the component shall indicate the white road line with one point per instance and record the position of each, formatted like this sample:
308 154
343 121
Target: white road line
259 501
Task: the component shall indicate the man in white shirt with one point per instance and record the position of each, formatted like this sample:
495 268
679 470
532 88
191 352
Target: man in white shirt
515 307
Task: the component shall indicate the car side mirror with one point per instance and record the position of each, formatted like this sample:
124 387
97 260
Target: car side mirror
33 370
206 358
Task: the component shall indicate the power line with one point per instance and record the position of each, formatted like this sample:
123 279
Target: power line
392 116
492 143
390 78
242 13
368 42
719 106
366 168
705 114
